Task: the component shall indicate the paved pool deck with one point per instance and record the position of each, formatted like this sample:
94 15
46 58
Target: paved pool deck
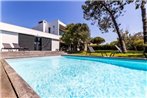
7 90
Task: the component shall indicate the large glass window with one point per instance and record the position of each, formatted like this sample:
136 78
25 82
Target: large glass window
61 32
53 29
38 43
49 30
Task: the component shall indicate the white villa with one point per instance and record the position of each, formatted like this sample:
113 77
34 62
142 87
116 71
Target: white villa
44 36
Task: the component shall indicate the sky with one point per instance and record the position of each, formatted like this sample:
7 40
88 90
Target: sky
28 13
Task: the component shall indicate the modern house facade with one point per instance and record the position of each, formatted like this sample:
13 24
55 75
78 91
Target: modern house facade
44 36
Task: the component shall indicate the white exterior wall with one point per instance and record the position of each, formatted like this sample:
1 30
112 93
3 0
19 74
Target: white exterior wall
22 30
39 27
45 25
56 29
61 23
56 24
55 45
0 39
8 37
42 26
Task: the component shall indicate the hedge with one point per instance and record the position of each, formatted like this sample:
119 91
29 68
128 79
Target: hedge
104 47
112 47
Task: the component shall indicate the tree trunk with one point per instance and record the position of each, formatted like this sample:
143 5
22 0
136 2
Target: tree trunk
85 46
121 41
75 47
144 20
69 47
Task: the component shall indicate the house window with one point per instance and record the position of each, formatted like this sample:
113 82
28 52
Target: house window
49 30
53 29
61 32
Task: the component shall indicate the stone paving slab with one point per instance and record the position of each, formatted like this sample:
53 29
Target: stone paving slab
23 90
6 90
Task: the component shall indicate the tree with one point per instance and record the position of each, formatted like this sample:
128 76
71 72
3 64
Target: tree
113 43
97 40
105 13
141 4
144 20
75 35
134 41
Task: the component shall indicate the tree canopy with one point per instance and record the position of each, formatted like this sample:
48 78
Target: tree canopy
104 13
133 40
101 12
75 35
97 40
140 4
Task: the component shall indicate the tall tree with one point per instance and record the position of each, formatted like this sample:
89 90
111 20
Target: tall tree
144 20
105 14
75 35
98 40
133 41
140 4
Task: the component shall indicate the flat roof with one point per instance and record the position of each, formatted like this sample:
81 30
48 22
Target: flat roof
28 31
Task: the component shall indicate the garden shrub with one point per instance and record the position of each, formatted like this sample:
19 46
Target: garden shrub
104 47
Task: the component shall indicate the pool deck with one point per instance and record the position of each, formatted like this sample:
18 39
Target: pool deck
12 85
6 87
25 54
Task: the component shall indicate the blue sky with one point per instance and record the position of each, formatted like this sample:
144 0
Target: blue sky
27 14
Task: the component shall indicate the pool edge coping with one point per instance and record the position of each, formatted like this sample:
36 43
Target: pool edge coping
21 87
131 58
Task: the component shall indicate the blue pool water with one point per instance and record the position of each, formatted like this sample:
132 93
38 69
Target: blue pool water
83 77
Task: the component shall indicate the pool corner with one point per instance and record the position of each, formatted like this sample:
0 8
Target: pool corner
19 86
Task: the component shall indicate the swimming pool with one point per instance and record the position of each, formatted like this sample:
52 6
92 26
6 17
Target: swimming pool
78 77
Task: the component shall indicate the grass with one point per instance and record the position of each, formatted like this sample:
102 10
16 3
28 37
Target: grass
135 54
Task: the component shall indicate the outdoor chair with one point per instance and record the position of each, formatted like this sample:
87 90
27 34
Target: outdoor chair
118 51
91 50
7 46
16 46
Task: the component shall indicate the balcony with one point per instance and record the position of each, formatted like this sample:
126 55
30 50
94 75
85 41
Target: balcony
61 29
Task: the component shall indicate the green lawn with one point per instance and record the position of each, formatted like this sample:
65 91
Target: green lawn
136 54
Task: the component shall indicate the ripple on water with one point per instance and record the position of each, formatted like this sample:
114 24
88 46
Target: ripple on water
61 77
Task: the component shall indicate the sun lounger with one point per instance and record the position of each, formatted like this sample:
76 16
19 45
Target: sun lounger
118 51
7 46
91 50
16 46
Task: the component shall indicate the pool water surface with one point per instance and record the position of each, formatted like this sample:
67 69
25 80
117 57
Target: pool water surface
83 77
